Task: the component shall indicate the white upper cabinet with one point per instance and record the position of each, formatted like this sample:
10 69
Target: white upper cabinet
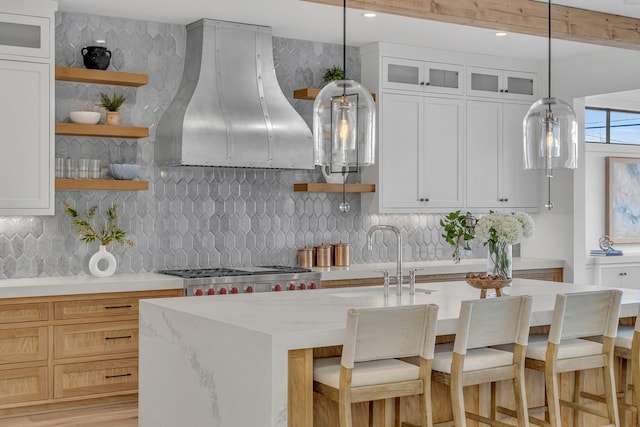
26 78
430 77
421 170
495 174
502 84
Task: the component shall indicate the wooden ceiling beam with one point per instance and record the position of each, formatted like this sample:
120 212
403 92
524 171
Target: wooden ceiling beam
516 16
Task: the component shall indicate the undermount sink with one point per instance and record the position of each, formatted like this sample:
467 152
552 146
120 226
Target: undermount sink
368 292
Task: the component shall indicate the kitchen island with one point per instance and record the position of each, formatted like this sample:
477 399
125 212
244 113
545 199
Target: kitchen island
245 360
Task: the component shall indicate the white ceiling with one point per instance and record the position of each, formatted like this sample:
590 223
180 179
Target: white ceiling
309 21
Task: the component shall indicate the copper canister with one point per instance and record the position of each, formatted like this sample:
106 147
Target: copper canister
342 254
305 257
324 256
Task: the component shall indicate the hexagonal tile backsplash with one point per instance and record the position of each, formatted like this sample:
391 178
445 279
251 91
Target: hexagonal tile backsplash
194 217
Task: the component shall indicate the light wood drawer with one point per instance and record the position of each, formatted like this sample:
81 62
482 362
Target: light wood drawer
95 339
23 344
96 308
27 312
108 376
23 385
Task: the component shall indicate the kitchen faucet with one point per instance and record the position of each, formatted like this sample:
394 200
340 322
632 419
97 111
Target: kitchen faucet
399 252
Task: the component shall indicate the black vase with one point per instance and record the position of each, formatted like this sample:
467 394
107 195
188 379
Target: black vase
96 57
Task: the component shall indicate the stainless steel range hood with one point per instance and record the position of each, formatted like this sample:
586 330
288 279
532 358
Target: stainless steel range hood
229 109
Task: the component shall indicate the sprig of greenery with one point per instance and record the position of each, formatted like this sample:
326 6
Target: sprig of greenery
111 103
331 74
107 232
457 231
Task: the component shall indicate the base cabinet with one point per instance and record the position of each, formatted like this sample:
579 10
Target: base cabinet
619 272
69 351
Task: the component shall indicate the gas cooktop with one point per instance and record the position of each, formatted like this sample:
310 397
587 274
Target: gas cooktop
229 272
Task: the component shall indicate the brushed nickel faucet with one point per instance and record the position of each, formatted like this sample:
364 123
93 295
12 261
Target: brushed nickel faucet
395 230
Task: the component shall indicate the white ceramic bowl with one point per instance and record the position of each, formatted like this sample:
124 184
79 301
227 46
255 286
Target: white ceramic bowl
85 117
124 170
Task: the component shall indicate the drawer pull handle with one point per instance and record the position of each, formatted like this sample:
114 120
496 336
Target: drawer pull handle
117 376
112 307
118 338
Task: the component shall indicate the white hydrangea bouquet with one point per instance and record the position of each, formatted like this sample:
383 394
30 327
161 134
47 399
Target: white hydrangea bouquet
498 231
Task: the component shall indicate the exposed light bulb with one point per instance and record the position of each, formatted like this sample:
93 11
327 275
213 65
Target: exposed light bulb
344 127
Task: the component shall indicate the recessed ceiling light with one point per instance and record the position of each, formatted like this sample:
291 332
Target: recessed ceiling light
369 15
501 34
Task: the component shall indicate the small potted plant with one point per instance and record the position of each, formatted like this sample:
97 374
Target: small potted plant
106 233
112 104
331 74
458 231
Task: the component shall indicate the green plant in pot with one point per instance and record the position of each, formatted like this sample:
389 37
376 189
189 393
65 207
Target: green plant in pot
458 231
331 74
112 104
105 233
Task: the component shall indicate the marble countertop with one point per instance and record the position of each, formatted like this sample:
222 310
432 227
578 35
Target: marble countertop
362 271
227 357
71 285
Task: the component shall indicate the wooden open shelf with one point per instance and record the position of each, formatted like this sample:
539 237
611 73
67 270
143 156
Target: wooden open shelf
310 93
84 75
100 184
321 187
101 130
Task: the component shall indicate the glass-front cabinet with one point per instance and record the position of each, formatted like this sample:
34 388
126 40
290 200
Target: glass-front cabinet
432 77
502 84
24 35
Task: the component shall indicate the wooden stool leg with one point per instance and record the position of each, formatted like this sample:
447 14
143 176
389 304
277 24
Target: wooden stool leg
519 388
553 396
578 383
626 393
457 391
377 417
610 391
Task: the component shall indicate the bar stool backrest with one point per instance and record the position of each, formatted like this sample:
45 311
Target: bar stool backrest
584 314
389 332
487 322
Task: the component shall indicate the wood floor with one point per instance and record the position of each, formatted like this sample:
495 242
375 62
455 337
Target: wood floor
121 415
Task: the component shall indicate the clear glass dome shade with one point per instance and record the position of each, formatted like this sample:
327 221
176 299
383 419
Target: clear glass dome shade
550 136
344 126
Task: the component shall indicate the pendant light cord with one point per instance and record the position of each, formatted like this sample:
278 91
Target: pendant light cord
344 45
549 49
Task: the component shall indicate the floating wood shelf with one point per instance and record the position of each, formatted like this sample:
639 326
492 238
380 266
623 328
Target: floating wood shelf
321 187
310 93
100 184
101 130
83 75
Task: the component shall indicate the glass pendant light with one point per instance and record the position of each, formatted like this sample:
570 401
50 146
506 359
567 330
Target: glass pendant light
344 123
550 133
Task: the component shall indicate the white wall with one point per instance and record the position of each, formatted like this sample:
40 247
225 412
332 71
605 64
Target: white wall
573 79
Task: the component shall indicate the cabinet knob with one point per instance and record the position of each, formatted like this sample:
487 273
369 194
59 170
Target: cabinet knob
622 273
424 200
506 90
427 83
501 90
421 83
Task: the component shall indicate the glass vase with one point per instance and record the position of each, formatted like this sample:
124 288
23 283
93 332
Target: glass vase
499 260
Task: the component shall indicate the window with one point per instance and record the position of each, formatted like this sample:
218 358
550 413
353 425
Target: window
603 125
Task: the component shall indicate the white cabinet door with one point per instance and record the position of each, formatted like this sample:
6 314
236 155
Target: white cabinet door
623 276
518 188
484 131
400 136
442 159
520 86
24 35
26 143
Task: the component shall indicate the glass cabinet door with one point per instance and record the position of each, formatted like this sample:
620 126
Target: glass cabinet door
24 35
402 74
484 82
444 78
521 85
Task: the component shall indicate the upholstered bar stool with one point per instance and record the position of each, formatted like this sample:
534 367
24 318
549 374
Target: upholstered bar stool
484 323
369 369
628 350
576 316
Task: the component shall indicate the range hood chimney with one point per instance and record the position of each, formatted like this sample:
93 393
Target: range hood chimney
229 109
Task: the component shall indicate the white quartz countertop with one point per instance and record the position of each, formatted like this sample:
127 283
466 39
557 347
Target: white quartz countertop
73 285
362 271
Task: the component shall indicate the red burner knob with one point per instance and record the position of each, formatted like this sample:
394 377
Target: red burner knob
222 291
249 289
198 292
234 290
303 286
292 287
313 285
211 291
277 288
